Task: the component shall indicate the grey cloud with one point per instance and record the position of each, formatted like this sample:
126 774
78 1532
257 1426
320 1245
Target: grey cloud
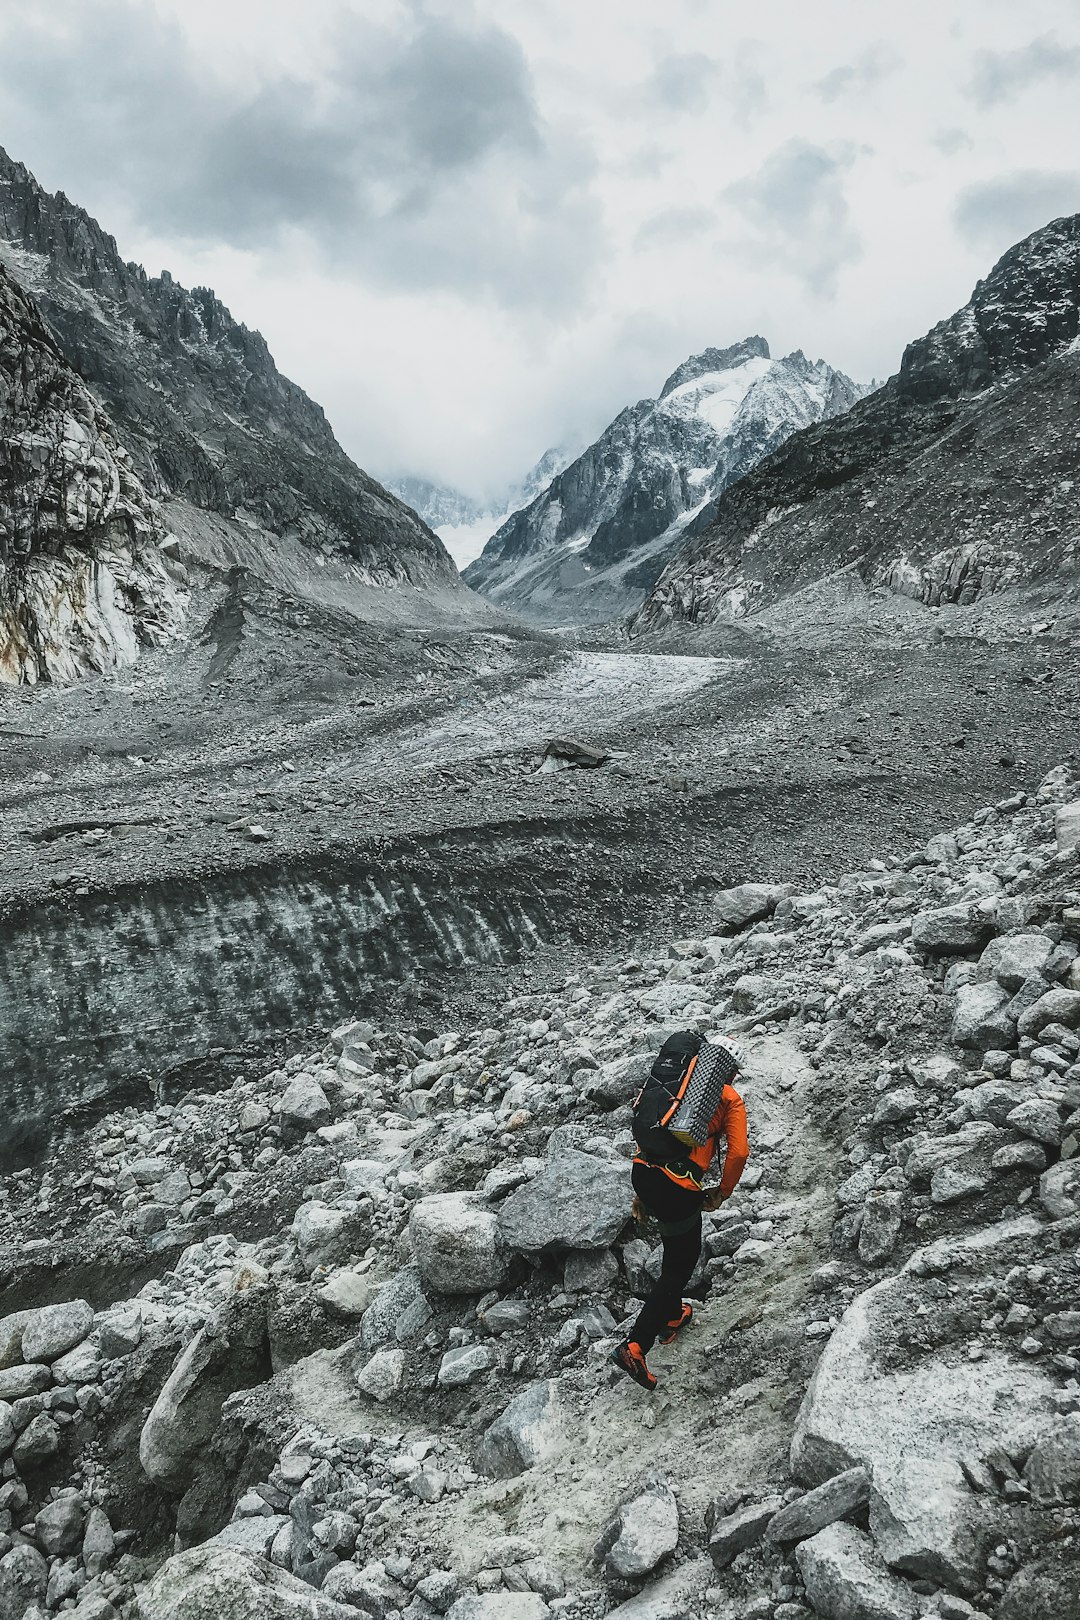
1001 75
421 159
797 210
683 83
674 225
869 69
996 213
950 141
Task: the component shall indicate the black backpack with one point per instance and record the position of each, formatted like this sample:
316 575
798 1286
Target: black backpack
675 1106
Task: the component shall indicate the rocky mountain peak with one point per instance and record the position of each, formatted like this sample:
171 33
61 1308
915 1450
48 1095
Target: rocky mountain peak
710 360
950 482
591 544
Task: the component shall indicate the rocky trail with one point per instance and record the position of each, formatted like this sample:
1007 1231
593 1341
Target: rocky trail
333 1340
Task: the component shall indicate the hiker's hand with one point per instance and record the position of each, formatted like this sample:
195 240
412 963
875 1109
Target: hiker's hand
637 1210
713 1199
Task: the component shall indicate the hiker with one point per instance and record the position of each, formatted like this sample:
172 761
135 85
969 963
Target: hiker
671 1189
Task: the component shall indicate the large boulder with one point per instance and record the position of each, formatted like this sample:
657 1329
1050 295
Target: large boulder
824 1505
230 1352
747 903
54 1329
457 1244
11 1332
1014 958
951 930
304 1104
1047 1590
497 1606
1053 1469
326 1236
981 1018
1067 827
1055 1007
398 1312
908 1421
846 1579
1059 1189
528 1431
645 1530
577 1201
219 1582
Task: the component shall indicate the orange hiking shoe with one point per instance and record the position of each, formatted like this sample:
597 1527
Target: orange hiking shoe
631 1358
676 1327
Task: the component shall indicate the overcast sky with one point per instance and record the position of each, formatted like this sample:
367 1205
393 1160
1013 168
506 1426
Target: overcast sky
471 230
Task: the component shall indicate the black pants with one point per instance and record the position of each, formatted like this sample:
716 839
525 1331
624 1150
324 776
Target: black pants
671 1206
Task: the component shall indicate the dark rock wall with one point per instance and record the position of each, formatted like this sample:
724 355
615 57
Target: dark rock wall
112 990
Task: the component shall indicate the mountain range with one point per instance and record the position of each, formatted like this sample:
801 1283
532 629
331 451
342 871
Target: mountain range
246 467
955 480
595 539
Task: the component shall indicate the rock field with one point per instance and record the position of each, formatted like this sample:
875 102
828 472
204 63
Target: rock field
332 1340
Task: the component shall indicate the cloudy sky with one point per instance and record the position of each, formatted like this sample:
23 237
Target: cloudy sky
471 230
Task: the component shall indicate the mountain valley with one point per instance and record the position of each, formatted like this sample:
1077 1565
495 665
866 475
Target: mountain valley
344 903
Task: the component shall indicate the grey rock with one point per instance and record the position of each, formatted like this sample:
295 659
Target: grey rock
1067 827
381 1376
906 1102
38 1443
24 1577
506 1316
58 1527
11 1332
981 1018
860 1410
951 930
500 1606
1059 1190
590 1271
7 1429
530 1430
1055 1007
398 1312
464 1364
881 1226
79 1366
54 1329
1039 1120
347 1294
255 1535
834 1499
229 1353
304 1103
734 1532
219 1582
98 1543
16 1383
325 1236
1052 1471
549 1214
1019 1156
747 903
1012 958
457 1244
846 1578
120 1334
644 1531
1049 1589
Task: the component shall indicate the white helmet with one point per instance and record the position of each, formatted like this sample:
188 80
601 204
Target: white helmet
729 1046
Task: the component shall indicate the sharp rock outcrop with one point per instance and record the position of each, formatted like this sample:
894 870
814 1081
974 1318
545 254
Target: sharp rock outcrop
247 460
953 480
83 576
598 536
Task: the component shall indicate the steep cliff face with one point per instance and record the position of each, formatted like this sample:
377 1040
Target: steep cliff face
598 536
83 580
207 416
955 479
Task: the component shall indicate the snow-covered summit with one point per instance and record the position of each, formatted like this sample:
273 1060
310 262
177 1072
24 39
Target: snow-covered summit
596 538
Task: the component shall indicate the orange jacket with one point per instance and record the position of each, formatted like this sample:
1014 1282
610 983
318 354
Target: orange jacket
729 1121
